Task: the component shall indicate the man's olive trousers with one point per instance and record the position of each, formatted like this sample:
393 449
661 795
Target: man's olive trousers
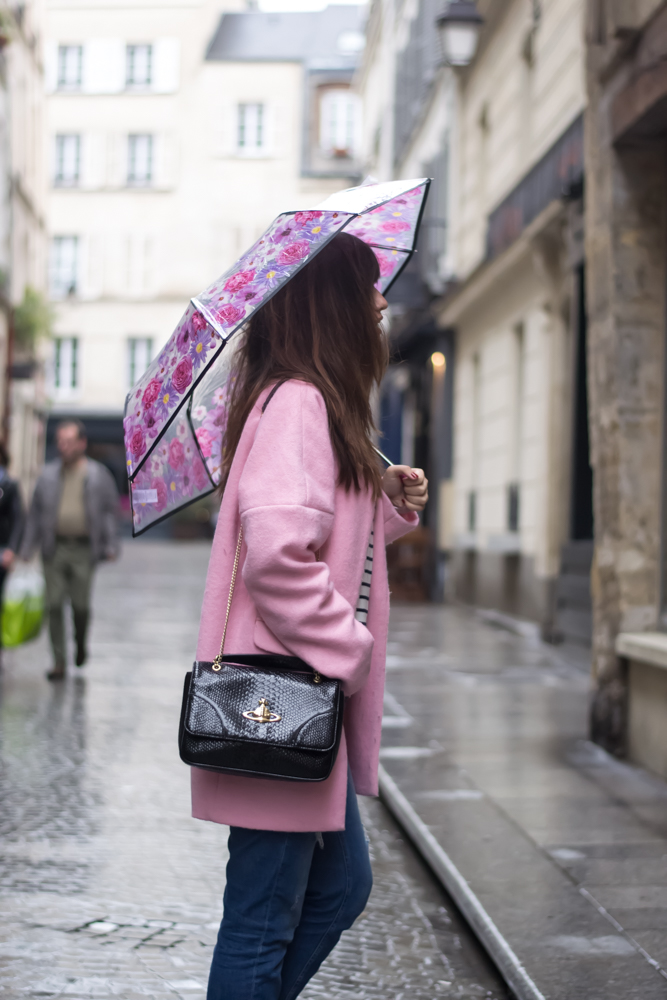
69 574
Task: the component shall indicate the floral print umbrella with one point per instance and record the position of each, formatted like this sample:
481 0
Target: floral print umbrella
175 415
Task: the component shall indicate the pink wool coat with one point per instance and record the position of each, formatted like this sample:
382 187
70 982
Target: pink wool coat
305 541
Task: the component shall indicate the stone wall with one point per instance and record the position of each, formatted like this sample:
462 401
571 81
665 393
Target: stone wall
625 252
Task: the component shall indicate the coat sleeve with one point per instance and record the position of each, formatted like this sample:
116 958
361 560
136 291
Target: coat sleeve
397 524
32 532
17 519
286 502
109 512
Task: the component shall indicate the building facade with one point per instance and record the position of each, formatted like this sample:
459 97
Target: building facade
489 327
22 238
175 135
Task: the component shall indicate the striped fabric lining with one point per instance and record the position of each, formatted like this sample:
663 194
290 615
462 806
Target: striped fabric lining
361 613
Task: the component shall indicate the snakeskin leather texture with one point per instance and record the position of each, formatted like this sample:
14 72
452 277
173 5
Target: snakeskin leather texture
301 745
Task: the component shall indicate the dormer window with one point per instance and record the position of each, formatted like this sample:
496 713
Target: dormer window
339 123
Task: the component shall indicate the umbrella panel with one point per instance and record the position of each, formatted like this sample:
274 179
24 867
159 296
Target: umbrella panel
392 225
173 477
208 413
289 242
391 264
168 382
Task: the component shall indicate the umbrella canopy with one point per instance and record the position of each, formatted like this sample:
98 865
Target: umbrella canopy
175 415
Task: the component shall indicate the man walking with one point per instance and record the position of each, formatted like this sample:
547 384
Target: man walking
72 519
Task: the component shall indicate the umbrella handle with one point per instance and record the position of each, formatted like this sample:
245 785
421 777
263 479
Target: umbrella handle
383 457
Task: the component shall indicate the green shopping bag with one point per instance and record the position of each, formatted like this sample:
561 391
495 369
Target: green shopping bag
22 607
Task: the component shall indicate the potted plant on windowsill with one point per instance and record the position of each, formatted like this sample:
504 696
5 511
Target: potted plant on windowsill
7 28
33 322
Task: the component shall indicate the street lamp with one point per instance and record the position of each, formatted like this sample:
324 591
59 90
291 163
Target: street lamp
459 26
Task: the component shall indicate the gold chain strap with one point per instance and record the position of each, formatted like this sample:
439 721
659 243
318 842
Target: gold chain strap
217 663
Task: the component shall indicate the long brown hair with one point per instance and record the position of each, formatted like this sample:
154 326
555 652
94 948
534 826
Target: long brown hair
321 327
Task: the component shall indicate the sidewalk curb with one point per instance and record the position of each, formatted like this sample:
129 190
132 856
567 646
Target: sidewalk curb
481 923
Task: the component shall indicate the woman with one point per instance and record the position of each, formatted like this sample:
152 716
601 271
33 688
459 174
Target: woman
12 519
304 482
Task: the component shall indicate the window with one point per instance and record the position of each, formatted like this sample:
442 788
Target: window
66 364
70 65
513 506
64 266
251 126
140 353
433 240
475 435
516 427
339 111
139 159
68 152
351 42
472 511
139 65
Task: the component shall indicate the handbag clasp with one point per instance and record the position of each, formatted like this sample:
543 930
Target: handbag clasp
261 713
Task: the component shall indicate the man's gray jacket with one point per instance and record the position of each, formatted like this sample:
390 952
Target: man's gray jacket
101 500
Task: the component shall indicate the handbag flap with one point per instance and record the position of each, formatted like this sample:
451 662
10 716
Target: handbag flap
302 713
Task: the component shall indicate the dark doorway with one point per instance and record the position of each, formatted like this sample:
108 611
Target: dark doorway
573 615
581 510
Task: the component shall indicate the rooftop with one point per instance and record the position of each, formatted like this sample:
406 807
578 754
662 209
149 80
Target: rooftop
332 38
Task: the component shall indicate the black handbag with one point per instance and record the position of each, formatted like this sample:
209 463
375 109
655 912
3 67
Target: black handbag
265 715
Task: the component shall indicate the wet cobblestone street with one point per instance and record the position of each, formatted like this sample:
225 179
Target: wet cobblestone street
108 888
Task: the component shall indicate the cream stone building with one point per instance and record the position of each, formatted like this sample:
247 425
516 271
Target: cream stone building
177 132
22 234
490 324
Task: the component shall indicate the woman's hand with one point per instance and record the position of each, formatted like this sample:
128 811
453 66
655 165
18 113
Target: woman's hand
406 488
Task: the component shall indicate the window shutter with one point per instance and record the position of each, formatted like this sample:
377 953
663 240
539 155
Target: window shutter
165 160
116 156
50 66
91 266
226 131
93 160
278 118
104 66
166 65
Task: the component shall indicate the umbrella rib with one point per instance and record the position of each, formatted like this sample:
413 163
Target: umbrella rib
422 181
381 246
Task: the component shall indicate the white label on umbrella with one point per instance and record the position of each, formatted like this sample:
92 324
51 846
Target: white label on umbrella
144 496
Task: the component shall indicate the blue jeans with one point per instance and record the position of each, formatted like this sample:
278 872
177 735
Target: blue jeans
286 904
